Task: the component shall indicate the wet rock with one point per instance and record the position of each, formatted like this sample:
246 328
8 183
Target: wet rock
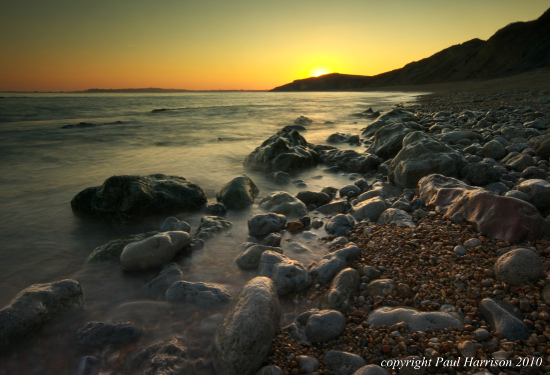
281 202
238 193
342 288
198 293
324 325
154 251
336 207
370 209
343 363
158 286
313 198
243 340
394 116
505 318
167 357
421 156
216 209
350 191
280 178
288 275
447 317
328 266
171 223
97 334
285 151
402 204
34 306
297 248
494 149
250 258
519 266
351 160
480 174
272 239
388 140
371 370
338 138
127 199
263 224
339 225
397 217
111 251
538 192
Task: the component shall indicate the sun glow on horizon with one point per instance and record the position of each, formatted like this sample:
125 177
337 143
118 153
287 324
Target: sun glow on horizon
319 71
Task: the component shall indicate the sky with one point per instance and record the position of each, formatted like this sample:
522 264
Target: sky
71 45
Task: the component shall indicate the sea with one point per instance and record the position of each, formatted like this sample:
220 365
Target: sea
202 136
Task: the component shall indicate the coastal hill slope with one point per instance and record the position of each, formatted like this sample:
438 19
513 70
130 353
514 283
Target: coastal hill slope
517 48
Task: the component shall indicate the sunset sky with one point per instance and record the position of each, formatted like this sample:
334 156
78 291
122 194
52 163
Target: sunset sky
68 45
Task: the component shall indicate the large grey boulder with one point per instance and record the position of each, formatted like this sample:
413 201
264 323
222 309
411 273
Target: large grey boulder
328 266
421 156
281 202
343 363
198 293
339 225
505 319
447 317
388 140
519 266
34 306
154 251
239 193
342 288
211 226
289 276
243 341
127 199
369 209
250 258
285 151
538 192
263 224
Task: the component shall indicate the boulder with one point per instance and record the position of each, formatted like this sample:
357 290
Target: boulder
394 116
342 288
446 317
239 193
172 223
168 276
34 306
263 224
538 192
243 341
198 293
339 224
328 266
111 251
285 151
421 156
343 363
97 334
211 226
314 198
397 217
289 276
520 162
455 136
167 357
494 150
503 218
337 207
369 209
480 174
388 140
127 199
351 160
281 202
250 258
154 251
543 150
505 319
519 266
324 325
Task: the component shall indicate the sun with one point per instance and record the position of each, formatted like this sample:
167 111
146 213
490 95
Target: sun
319 71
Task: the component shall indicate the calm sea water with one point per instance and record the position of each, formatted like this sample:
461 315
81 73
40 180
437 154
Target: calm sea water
204 137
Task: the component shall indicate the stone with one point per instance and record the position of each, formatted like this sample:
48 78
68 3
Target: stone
519 266
520 162
369 209
446 317
395 116
285 151
297 248
343 363
35 306
371 370
467 349
154 251
171 223
308 363
337 207
480 174
158 286
211 226
97 334
167 357
243 341
503 218
111 251
494 149
88 365
505 319
263 224
456 136
128 199
543 150
350 191
289 276
339 224
270 370
388 140
518 195
538 192
239 193
325 325
402 204
351 160
421 156
281 202
397 217
370 272
342 288
272 239
328 266
216 209
280 178
314 198
481 334
250 258
198 293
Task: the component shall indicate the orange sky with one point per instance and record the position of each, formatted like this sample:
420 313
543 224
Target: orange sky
67 45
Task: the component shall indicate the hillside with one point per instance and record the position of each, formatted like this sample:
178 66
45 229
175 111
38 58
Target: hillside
517 48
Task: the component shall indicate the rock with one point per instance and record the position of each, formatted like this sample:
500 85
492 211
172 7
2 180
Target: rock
154 251
397 217
467 349
538 192
308 363
303 120
543 150
369 209
158 286
421 156
313 198
171 223
380 287
480 174
281 202
272 239
520 162
481 335
339 225
270 370
127 199
511 132
329 265
518 195
505 318
351 160
402 204
371 370
111 251
285 151
338 138
343 363
336 207
297 248
243 341
167 357
263 224
460 250
342 288
34 306
394 116
198 293
446 317
96 334
250 258
289 276
519 266
324 326
456 136
239 193
211 226
494 149
88 365
216 209
350 191
498 217
280 178
370 272
531 173
388 140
